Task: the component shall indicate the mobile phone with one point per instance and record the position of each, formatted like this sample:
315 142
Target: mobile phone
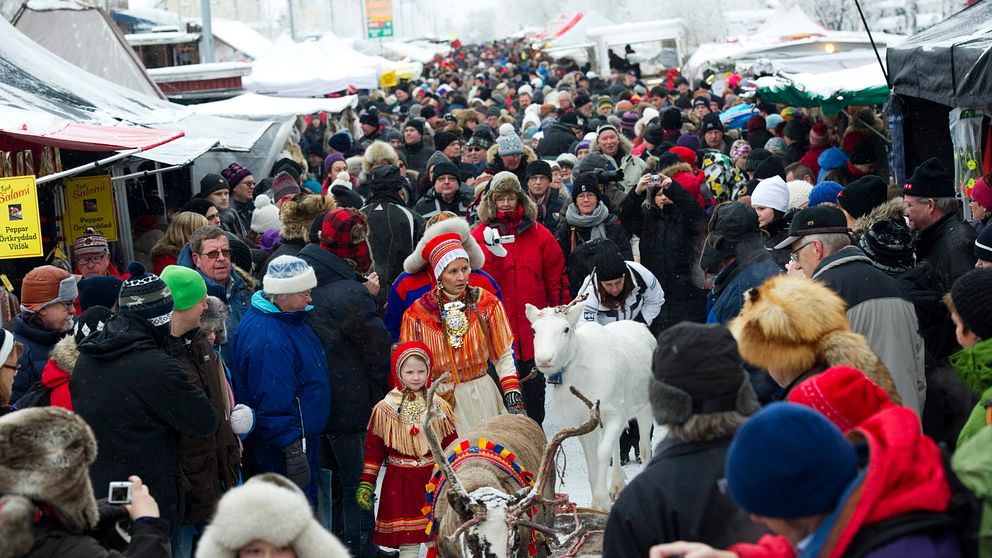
120 492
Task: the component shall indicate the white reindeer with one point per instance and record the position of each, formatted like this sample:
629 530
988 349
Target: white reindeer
610 363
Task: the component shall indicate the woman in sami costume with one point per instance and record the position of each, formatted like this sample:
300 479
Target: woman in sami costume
465 328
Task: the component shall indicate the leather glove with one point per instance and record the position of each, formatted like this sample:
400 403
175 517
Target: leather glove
365 495
297 466
242 419
514 403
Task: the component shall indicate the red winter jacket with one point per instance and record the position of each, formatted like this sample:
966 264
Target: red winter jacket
533 271
905 475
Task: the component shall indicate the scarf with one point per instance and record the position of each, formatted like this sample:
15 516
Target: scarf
511 219
596 221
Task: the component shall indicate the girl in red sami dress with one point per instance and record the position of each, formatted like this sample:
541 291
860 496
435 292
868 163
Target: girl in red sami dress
395 437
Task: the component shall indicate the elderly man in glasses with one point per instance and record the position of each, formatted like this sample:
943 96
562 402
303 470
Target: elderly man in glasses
209 252
91 253
877 305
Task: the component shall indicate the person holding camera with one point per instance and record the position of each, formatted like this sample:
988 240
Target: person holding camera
671 225
524 259
619 150
587 220
48 507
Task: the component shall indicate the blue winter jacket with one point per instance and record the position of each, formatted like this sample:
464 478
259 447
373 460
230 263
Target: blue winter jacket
727 297
280 371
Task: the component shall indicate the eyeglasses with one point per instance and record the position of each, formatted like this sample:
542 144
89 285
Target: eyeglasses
794 256
15 367
92 260
474 149
217 253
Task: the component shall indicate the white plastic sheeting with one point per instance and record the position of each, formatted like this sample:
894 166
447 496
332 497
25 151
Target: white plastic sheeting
291 69
255 106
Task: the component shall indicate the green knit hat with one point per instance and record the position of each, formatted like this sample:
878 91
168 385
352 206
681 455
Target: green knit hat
187 286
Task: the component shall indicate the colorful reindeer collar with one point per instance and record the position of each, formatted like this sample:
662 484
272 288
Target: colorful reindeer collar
495 454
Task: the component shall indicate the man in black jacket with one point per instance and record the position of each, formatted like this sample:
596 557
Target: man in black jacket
357 345
943 239
701 393
137 398
394 230
550 202
446 195
416 152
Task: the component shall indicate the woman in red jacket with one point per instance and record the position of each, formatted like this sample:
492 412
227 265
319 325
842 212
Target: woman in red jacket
530 269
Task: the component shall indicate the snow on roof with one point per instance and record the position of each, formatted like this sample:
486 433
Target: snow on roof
163 38
252 105
43 5
239 36
213 70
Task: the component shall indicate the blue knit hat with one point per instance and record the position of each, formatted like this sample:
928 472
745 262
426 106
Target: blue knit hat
101 290
824 192
789 461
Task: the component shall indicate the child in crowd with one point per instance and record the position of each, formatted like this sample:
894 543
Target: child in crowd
395 436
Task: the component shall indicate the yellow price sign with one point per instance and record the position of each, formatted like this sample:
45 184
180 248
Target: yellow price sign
20 222
89 202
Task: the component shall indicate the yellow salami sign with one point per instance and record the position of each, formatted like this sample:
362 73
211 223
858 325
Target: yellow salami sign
89 202
20 224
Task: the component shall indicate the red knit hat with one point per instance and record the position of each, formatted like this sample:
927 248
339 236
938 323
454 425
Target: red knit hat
404 351
441 251
818 134
842 394
345 234
686 154
982 194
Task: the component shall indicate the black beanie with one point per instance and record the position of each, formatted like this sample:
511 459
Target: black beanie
890 245
100 290
92 320
929 180
443 168
862 154
609 263
796 129
212 183
983 245
970 294
415 123
671 119
772 166
539 167
755 158
864 194
586 183
198 205
654 134
240 252
443 139
698 370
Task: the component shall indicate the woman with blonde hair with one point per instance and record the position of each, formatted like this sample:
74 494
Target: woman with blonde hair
166 250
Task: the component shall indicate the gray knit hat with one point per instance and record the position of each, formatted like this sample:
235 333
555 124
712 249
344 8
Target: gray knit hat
508 141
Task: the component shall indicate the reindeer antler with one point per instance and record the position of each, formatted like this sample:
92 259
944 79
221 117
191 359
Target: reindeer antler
436 450
547 462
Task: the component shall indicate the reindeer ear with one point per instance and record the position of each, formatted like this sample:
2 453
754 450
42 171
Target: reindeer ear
459 505
531 311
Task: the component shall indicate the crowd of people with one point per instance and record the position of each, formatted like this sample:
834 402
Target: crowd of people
822 340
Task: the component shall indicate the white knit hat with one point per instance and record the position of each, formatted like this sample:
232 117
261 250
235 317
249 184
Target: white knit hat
799 193
343 179
265 216
771 192
288 275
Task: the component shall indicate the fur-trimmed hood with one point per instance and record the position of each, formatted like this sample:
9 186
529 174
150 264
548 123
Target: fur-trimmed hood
379 153
295 217
64 354
505 182
625 145
492 154
415 263
269 508
892 210
791 324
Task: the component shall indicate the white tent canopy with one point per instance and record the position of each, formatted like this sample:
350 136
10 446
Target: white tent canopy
239 37
254 106
338 48
574 42
291 69
631 33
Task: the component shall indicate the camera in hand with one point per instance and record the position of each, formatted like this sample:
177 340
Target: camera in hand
120 493
606 176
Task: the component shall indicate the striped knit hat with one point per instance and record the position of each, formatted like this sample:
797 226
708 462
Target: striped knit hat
442 250
147 296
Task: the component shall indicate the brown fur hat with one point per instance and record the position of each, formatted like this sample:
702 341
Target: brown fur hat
791 324
296 215
379 153
45 456
505 182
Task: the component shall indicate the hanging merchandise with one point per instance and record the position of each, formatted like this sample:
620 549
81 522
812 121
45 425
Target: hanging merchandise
966 137
6 166
89 203
20 225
